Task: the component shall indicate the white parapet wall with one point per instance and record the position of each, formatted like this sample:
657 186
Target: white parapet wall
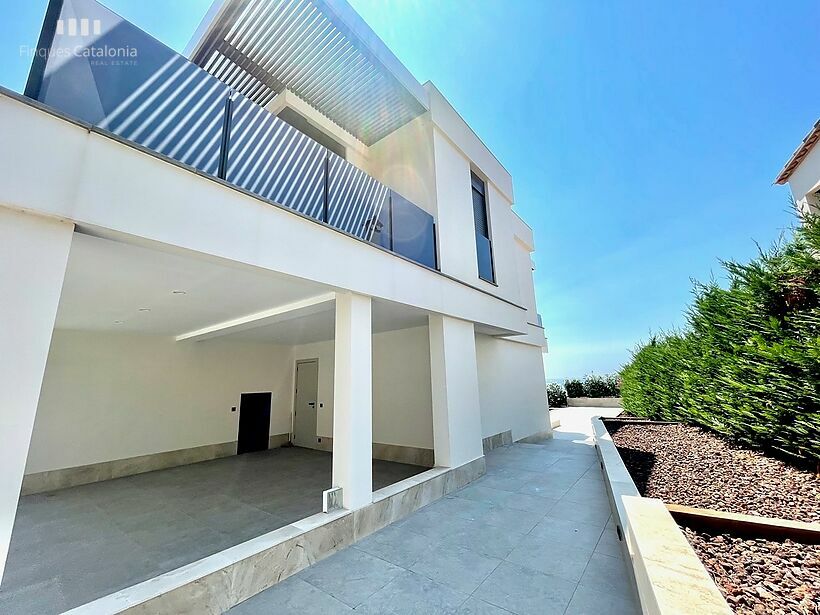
594 402
669 577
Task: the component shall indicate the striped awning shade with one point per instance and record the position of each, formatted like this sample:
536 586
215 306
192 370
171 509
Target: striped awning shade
261 47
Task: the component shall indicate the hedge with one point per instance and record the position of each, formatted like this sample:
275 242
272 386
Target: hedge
556 395
593 386
747 365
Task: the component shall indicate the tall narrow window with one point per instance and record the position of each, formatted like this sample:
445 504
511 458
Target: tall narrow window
484 246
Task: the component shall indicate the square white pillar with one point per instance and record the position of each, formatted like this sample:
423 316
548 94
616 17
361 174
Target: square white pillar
33 258
454 381
353 401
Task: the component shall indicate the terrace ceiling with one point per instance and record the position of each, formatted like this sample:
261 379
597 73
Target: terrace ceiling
321 50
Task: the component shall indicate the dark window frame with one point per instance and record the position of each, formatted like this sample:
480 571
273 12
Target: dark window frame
478 186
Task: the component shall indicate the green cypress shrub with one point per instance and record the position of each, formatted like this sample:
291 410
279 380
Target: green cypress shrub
748 364
601 386
556 395
574 388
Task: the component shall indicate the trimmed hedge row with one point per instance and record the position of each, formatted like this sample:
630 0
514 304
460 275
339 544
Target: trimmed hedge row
748 364
594 386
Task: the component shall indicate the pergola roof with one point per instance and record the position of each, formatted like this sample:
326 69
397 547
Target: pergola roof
321 50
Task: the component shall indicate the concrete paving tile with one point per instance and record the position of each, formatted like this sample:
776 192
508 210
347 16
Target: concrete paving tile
592 600
351 576
596 514
609 544
567 562
460 507
505 499
587 491
608 574
502 482
515 520
435 525
516 474
485 539
533 465
292 595
179 533
397 545
556 531
474 606
412 594
525 591
42 597
461 569
547 489
594 473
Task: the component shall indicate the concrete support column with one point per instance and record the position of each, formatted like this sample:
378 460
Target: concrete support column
454 380
353 401
33 257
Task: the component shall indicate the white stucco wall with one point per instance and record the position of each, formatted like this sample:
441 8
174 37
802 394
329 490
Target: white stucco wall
455 225
512 388
402 407
33 257
805 179
113 396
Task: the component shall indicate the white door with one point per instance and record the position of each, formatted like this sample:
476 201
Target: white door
305 404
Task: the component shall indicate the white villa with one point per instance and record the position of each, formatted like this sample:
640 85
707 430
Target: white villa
277 274
802 173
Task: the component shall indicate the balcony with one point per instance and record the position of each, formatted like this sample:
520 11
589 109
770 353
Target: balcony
148 94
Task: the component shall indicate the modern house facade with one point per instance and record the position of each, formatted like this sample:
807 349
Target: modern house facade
281 239
802 173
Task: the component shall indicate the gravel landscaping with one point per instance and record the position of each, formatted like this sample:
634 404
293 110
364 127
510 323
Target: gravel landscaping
758 576
686 465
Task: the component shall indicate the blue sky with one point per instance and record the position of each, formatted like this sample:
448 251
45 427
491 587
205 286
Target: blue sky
643 137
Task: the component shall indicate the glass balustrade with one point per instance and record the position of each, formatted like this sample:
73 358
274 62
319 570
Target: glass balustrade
103 70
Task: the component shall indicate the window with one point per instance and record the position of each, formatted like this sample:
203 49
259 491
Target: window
483 244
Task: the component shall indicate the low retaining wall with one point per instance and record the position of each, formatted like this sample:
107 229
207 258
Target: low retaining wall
497 441
216 583
668 575
594 402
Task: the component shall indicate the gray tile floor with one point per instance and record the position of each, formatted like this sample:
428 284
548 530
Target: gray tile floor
75 545
533 536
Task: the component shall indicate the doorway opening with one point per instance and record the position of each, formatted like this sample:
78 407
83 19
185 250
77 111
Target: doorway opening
305 403
254 422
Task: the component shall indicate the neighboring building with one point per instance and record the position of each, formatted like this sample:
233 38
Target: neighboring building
802 172
288 213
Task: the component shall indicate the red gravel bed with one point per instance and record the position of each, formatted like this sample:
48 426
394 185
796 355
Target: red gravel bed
686 465
758 576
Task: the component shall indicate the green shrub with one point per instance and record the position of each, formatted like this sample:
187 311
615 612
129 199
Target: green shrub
748 364
556 395
594 386
601 386
574 388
